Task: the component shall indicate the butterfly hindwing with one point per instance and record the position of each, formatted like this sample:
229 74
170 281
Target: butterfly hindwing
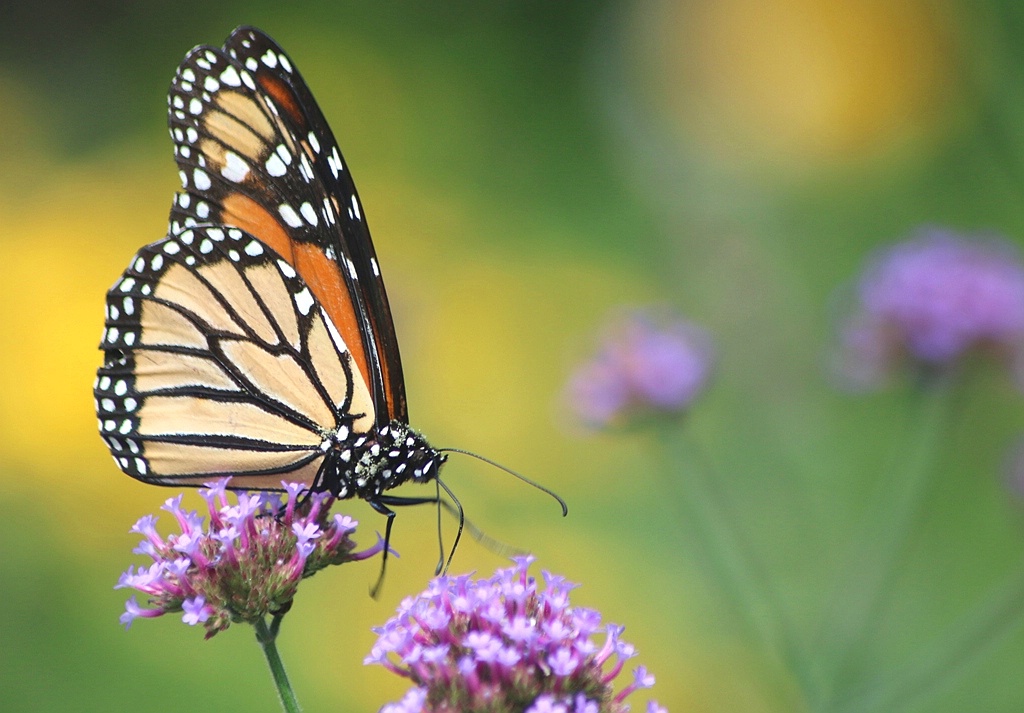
255 151
221 361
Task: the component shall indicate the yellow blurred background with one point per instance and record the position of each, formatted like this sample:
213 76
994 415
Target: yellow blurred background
525 169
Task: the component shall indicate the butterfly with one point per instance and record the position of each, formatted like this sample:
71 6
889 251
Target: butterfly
255 340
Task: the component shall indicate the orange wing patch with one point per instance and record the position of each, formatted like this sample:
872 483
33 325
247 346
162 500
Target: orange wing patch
319 272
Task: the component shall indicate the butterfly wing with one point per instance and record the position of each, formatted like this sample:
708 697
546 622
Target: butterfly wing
254 151
220 361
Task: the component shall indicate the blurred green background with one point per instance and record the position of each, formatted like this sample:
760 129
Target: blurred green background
527 167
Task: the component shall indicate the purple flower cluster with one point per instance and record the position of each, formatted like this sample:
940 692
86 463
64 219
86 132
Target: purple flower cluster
932 299
248 562
501 645
647 363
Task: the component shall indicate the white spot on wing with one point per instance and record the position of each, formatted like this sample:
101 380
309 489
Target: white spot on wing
287 269
253 249
275 166
305 169
313 142
202 180
289 215
195 106
235 168
339 343
309 214
304 301
230 77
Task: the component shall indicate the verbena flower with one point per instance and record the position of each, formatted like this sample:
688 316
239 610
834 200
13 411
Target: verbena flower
244 564
930 301
647 363
502 645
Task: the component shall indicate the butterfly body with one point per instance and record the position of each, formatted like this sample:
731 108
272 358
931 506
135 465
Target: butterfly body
378 461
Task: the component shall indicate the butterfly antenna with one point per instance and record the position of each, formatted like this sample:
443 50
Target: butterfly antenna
538 486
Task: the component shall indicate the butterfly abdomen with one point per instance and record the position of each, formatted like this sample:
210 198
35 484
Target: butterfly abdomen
379 460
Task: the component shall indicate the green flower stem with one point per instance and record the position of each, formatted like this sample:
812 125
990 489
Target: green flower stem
734 562
939 665
267 636
867 575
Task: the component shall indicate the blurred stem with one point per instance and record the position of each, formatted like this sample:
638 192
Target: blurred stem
728 550
868 572
267 636
939 665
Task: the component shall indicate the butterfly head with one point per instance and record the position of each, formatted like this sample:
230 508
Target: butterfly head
384 459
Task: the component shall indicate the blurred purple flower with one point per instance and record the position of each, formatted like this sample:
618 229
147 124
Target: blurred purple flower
501 644
246 565
930 300
647 363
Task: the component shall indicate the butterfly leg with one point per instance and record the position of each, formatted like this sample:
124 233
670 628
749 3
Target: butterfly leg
455 510
380 504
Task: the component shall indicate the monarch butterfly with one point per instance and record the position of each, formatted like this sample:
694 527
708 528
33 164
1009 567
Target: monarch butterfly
255 340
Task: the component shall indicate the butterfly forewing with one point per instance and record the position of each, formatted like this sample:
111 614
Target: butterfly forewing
254 151
276 74
221 361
